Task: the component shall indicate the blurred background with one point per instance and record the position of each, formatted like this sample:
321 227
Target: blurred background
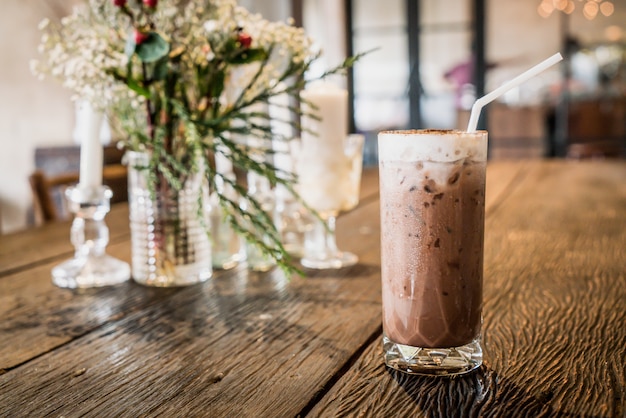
431 60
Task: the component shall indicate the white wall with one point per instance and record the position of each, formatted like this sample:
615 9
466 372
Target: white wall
32 113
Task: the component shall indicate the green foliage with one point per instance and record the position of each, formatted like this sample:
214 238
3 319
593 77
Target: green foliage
185 80
152 49
247 56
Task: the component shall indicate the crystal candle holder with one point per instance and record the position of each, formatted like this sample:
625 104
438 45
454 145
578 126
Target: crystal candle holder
91 266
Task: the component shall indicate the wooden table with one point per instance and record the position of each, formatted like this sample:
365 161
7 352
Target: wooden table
258 345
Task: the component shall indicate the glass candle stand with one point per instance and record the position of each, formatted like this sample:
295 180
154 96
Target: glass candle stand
91 266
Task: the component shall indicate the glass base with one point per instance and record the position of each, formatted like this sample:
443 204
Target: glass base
94 271
329 261
257 261
224 261
176 276
433 361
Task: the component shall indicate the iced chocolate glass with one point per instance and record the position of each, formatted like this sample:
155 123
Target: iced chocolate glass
432 196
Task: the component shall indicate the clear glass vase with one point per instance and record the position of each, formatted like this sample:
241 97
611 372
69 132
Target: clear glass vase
169 236
225 243
259 188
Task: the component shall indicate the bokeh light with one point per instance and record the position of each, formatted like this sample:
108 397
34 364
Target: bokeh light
613 33
607 8
590 8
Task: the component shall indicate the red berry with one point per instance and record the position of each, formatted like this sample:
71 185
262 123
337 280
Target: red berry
140 37
244 39
150 3
119 3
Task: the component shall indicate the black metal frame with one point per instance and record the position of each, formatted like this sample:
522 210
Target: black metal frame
414 26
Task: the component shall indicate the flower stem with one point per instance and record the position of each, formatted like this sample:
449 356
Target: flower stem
149 113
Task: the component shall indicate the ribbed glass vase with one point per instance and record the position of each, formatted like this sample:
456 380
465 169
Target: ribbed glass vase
169 235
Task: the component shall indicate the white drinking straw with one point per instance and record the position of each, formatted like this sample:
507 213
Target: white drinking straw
480 103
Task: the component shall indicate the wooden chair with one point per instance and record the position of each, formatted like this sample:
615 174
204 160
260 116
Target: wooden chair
596 128
48 191
594 150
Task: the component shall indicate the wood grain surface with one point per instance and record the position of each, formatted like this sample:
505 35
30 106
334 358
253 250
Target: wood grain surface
35 310
554 310
261 345
248 344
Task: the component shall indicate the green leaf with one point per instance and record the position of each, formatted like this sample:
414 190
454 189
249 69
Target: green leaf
153 48
230 47
217 86
249 55
159 71
132 83
135 86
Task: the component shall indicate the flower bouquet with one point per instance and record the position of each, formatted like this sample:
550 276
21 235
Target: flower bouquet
186 80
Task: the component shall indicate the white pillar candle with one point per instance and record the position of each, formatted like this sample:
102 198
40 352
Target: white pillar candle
332 107
322 166
82 115
91 151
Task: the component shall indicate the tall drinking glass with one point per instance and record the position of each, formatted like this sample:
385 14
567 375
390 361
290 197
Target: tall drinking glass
329 183
432 197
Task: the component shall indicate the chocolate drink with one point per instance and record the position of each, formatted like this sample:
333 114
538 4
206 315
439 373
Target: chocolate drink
432 223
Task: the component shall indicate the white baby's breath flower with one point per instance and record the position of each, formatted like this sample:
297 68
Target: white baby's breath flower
86 50
210 26
43 24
